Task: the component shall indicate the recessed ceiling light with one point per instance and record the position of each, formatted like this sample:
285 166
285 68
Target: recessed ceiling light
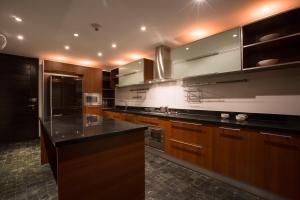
18 19
234 35
20 37
67 47
143 28
76 35
100 54
114 45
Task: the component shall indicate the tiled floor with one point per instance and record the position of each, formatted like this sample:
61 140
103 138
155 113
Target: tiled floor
22 177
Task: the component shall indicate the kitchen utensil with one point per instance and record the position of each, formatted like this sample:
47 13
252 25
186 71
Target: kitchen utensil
163 109
269 37
225 115
266 62
241 117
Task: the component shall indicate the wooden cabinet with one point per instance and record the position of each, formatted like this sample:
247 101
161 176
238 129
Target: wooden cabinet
190 142
93 80
219 53
278 161
267 160
113 115
276 38
231 152
93 110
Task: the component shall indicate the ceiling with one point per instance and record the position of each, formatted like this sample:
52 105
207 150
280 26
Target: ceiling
49 25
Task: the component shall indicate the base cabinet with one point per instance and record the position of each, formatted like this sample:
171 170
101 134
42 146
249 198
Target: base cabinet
231 153
278 160
266 160
190 142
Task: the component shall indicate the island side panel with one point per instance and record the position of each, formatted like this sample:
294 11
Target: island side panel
44 157
48 152
108 168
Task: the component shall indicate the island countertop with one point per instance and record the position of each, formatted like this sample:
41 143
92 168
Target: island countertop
72 129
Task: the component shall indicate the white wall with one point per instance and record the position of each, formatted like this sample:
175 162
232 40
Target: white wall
274 92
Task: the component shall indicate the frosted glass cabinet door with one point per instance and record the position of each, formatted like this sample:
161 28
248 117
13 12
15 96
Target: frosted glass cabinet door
221 63
216 43
132 73
216 54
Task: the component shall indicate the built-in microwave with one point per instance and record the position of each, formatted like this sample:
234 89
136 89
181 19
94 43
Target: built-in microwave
92 99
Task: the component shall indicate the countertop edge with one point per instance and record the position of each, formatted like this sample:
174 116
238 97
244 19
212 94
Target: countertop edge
236 124
85 139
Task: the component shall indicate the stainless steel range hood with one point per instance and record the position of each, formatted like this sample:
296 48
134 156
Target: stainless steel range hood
162 64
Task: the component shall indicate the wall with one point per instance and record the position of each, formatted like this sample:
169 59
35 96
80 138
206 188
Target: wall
273 92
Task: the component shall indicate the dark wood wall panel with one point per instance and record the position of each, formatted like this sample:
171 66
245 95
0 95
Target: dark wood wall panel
92 76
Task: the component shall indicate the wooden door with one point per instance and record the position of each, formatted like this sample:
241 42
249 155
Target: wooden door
18 98
231 153
280 160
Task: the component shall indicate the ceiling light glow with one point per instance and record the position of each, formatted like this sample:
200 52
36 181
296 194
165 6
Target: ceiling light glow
67 47
59 58
120 62
143 28
234 35
187 48
86 62
20 37
18 19
198 33
135 56
114 45
100 54
76 35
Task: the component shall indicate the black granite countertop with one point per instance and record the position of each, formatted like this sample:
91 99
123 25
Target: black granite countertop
71 129
263 122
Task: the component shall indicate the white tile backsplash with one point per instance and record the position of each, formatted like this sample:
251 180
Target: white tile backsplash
274 92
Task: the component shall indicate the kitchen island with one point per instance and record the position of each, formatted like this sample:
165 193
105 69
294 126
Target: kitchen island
95 157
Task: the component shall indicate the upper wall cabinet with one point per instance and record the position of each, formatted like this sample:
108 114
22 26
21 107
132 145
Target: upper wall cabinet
134 73
219 53
272 42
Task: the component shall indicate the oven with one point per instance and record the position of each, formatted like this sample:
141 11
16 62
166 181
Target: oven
92 99
155 137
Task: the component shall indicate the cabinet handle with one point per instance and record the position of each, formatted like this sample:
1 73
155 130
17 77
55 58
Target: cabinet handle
204 56
272 134
231 129
188 123
187 144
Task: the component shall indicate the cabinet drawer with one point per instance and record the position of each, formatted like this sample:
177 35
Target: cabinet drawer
190 152
192 133
190 142
148 120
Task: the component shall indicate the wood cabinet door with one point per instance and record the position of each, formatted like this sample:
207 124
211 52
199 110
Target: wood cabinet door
190 142
280 163
232 153
93 110
93 80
